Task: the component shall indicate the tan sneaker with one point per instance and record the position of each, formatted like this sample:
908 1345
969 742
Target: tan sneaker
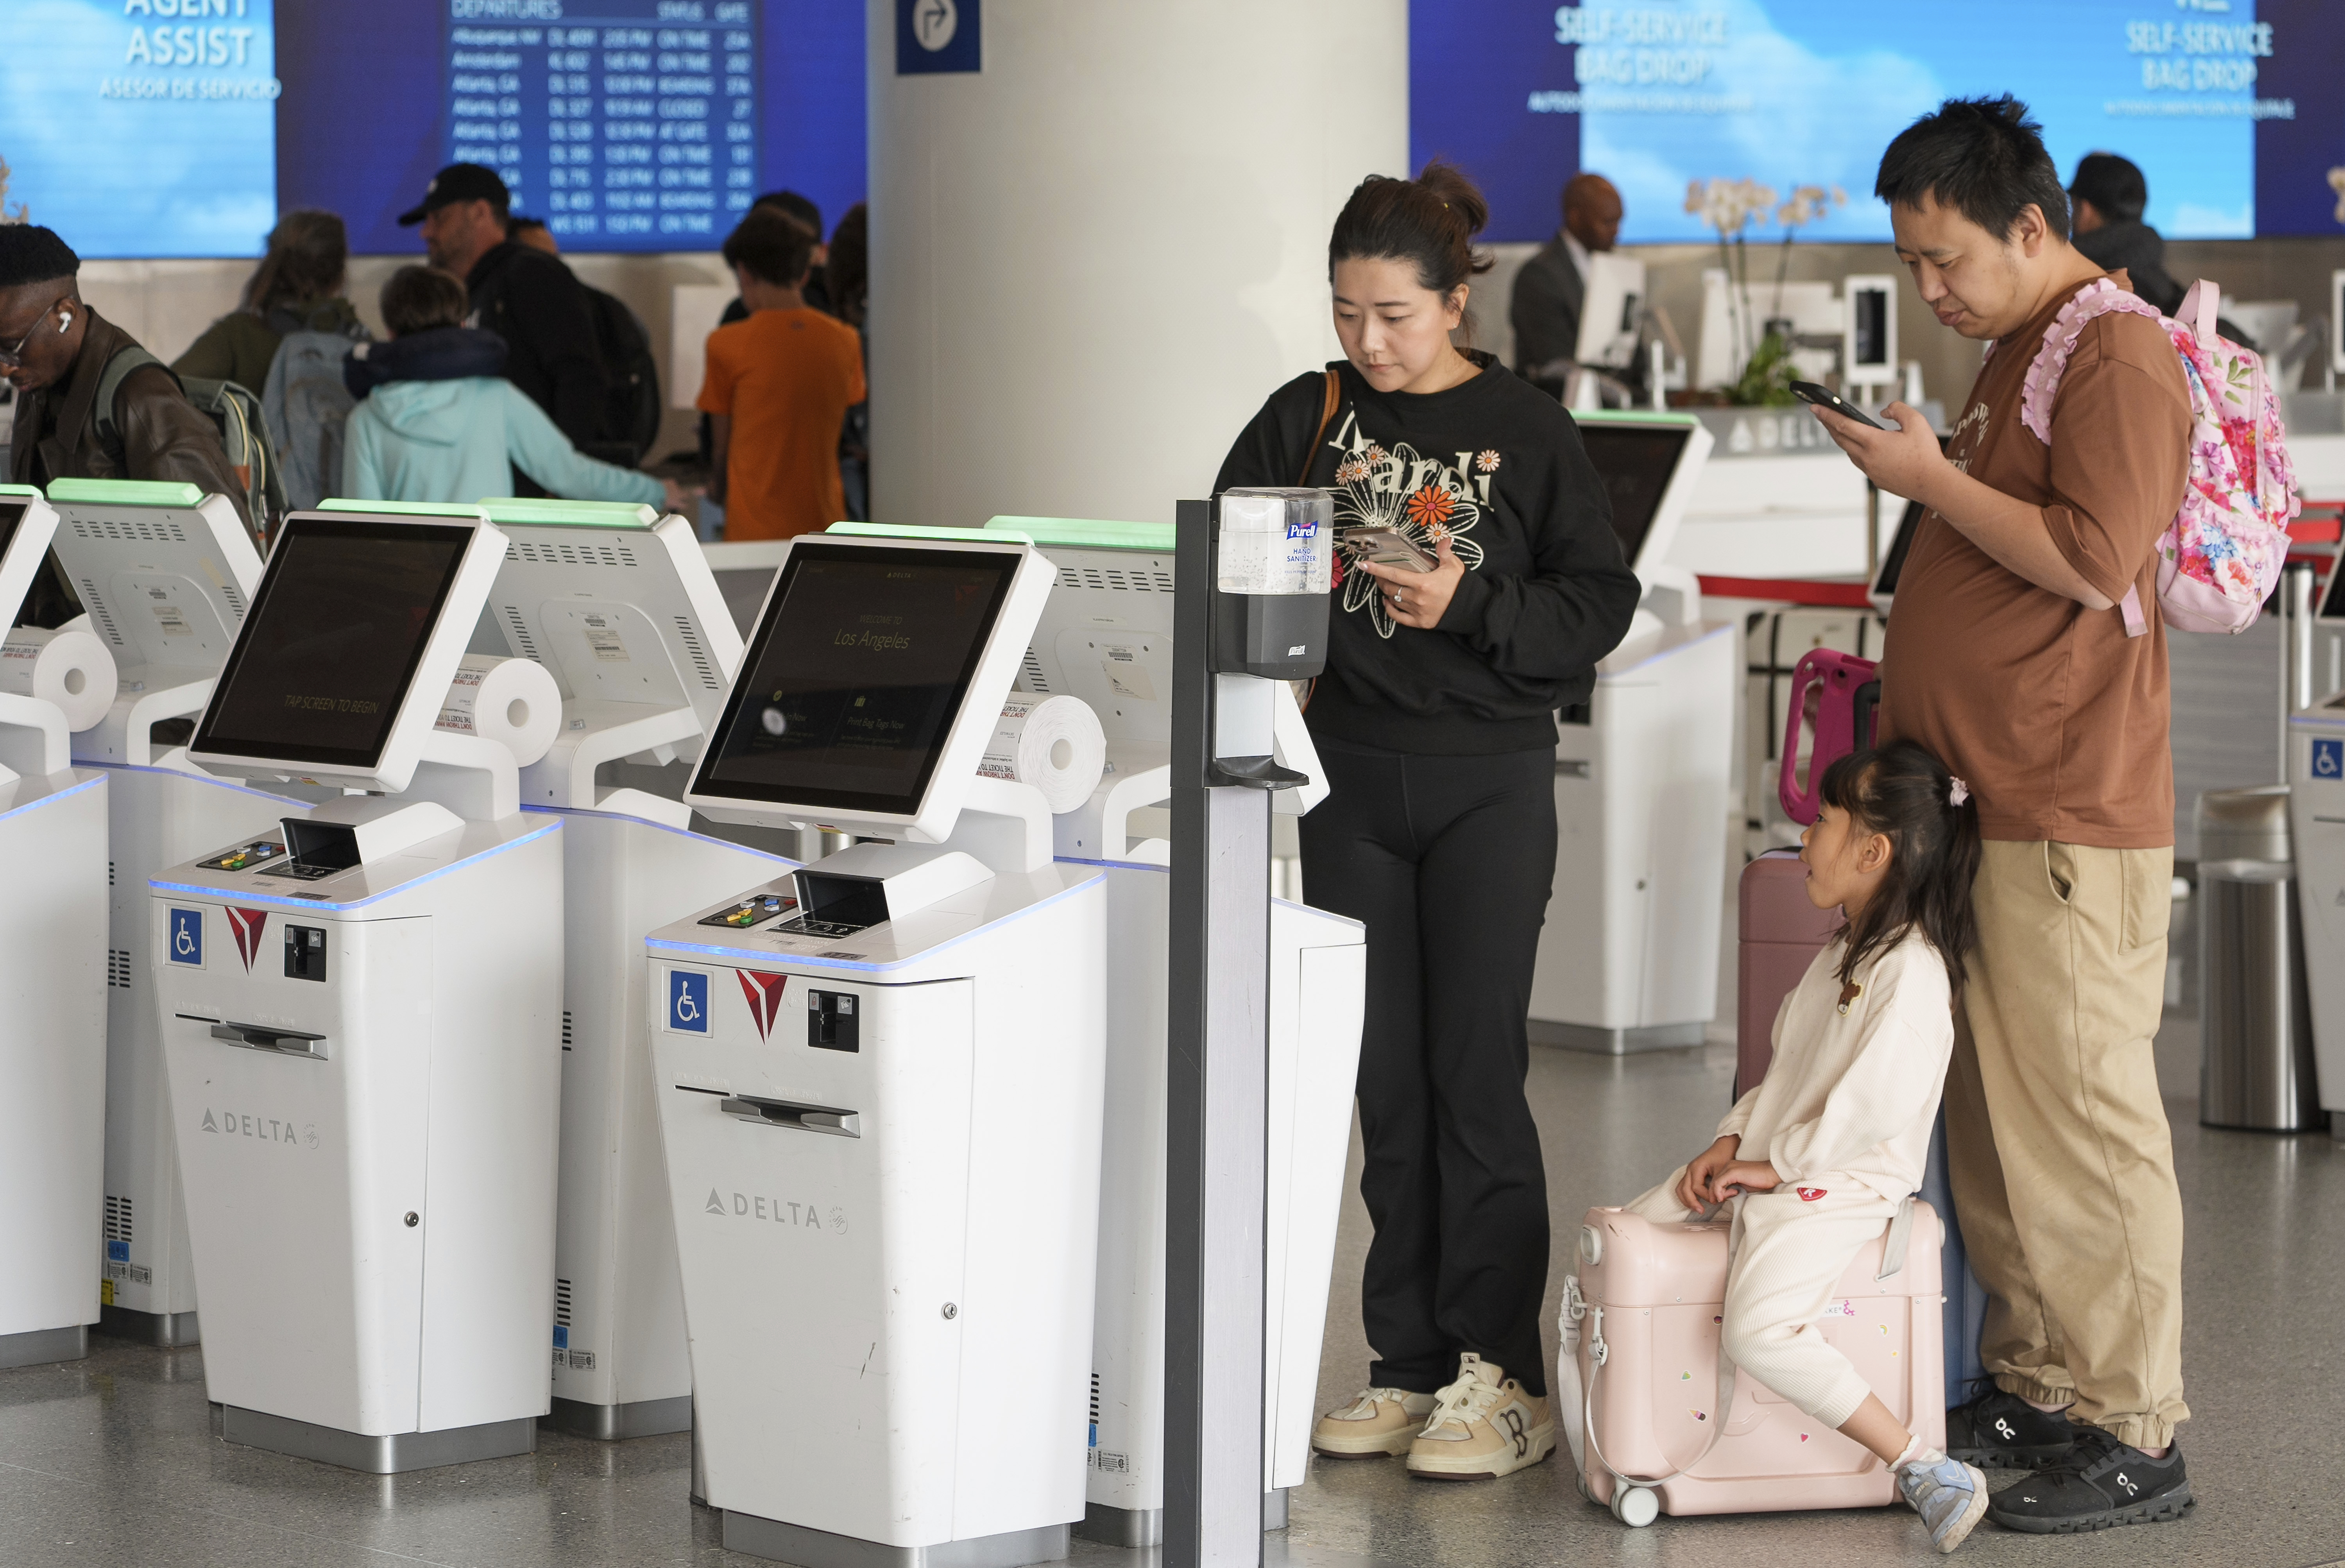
1483 1427
1380 1422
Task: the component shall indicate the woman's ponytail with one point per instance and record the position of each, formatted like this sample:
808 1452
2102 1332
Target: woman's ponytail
1429 221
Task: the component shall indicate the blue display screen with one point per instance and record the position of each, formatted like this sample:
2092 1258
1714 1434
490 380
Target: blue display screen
2229 106
141 127
183 127
617 125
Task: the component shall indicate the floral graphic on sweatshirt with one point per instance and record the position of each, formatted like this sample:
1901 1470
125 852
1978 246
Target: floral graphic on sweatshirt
1424 499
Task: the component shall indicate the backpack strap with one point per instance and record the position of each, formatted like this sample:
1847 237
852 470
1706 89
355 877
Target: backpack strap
2097 299
1326 417
129 357
2202 310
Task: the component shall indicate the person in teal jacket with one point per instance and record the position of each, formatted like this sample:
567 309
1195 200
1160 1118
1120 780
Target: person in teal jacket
466 437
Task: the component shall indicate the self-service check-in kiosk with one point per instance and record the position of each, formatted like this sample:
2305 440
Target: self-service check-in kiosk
164 573
52 967
1627 959
1107 638
2316 805
880 1091
362 1018
620 605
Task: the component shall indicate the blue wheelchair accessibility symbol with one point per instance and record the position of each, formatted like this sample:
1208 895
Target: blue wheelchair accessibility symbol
2329 758
186 937
688 1001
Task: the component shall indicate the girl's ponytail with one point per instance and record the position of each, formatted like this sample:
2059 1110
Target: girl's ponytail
1902 791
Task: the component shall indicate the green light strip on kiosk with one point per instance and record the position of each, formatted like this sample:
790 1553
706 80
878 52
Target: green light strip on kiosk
1087 533
539 511
1630 416
987 535
125 492
20 490
403 508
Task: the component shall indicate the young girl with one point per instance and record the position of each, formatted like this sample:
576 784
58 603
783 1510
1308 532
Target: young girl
1816 1159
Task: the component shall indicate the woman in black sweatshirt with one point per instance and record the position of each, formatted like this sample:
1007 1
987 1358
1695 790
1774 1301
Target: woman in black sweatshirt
1435 723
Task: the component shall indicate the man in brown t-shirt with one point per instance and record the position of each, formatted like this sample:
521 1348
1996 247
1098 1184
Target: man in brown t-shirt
2008 658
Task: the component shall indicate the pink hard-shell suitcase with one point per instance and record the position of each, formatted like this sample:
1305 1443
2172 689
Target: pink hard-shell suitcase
1638 1381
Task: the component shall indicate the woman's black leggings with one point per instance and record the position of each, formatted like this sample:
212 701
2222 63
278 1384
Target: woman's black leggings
1448 860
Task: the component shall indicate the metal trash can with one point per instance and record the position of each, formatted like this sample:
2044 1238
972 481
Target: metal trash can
2255 1007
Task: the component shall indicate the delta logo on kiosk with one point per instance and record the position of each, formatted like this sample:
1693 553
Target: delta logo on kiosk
763 993
247 926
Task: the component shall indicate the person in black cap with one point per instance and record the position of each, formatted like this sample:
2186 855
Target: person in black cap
2109 194
528 297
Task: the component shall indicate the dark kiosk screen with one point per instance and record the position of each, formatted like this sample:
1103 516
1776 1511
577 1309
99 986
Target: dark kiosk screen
324 660
11 513
1635 463
849 691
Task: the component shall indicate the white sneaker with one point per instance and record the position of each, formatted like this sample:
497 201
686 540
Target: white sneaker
1949 1495
1483 1427
1380 1422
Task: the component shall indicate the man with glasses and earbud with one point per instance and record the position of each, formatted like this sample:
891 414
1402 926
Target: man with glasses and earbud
56 352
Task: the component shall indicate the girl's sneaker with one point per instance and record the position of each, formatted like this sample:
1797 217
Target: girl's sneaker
1379 1424
1949 1495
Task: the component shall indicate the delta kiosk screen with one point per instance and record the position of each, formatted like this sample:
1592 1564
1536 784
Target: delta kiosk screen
12 513
325 658
862 662
1636 463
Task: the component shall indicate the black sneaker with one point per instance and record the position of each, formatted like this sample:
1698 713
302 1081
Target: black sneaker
1996 1431
2101 1485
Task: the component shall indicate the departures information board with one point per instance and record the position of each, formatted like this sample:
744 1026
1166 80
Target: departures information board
626 125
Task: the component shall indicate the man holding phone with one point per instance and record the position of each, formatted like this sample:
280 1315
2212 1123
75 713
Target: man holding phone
2008 658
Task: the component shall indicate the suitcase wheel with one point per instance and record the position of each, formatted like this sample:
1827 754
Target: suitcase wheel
1635 1506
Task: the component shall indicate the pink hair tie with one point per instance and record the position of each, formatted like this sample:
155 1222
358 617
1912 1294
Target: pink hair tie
1957 792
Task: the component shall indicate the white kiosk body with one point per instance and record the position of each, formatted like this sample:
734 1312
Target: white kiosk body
164 573
1627 959
880 1096
620 605
1107 639
52 993
2315 809
362 1019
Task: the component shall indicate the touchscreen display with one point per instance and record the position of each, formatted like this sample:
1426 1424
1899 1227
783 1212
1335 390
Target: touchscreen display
851 683
326 655
1635 463
11 513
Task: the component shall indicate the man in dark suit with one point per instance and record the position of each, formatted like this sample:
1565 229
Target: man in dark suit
1551 285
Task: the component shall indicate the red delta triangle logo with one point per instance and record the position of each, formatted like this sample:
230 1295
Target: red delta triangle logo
763 993
247 924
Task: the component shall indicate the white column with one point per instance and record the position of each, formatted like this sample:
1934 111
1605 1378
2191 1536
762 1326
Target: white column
1092 261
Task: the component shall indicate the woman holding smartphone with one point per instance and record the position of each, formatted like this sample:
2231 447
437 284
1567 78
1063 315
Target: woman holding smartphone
1435 723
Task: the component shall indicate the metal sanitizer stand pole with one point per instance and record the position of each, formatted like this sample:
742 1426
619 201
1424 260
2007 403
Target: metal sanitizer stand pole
1229 648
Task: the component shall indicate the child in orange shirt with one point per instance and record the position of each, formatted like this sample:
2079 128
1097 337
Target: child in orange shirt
778 389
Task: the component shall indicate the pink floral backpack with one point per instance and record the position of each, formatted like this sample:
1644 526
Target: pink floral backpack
2221 557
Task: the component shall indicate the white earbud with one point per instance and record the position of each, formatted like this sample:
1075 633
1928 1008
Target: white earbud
64 322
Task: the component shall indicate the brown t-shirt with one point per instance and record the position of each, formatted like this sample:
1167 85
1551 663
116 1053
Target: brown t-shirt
2054 717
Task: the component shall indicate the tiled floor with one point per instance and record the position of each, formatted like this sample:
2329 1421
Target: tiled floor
111 1461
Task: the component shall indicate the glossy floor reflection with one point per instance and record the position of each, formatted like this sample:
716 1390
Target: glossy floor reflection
111 1461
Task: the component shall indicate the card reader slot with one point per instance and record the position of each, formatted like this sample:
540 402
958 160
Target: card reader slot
788 1114
269 1037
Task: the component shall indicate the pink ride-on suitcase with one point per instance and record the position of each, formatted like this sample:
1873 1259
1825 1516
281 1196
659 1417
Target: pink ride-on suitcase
1638 1382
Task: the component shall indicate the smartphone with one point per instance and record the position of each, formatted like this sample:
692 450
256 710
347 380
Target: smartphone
1824 397
1388 548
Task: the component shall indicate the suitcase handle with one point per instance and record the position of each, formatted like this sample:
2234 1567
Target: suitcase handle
1847 696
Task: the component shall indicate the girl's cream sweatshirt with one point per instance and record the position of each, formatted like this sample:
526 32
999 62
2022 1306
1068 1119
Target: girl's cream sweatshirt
1853 1092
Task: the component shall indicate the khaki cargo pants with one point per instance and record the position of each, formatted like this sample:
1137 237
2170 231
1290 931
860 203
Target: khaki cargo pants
2057 1144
